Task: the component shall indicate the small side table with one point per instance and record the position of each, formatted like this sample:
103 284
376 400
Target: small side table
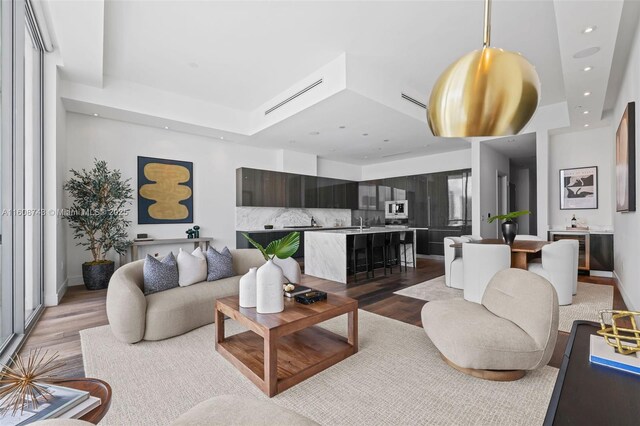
97 388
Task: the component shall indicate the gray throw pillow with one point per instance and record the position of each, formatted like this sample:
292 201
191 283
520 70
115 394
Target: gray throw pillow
160 275
219 264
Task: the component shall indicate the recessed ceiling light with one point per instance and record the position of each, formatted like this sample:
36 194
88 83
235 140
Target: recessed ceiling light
314 133
588 30
221 137
365 134
193 64
95 114
166 127
586 125
342 127
587 68
386 140
587 93
365 157
292 141
379 149
585 112
585 53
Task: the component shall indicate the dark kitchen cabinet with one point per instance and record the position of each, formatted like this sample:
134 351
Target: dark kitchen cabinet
367 198
310 189
273 188
398 186
422 241
325 193
294 192
351 197
339 194
249 187
601 252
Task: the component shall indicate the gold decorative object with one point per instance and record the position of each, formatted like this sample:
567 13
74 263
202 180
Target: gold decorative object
21 384
625 340
487 92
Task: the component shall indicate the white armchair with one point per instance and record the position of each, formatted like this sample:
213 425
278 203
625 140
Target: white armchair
481 263
453 274
560 266
522 237
472 238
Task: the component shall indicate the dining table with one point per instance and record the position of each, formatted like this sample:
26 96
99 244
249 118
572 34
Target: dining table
521 250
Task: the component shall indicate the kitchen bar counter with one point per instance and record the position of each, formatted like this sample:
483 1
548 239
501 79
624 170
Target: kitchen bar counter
303 228
326 251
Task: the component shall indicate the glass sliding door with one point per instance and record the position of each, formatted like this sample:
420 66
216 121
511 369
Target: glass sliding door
21 133
32 175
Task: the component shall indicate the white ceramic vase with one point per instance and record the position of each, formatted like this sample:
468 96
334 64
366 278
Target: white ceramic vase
290 268
269 284
248 289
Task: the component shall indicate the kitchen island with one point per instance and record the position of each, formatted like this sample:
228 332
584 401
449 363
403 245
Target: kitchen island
326 251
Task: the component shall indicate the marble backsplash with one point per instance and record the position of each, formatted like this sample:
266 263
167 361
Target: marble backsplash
254 218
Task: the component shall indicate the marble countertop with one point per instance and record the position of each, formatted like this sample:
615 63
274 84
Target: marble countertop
310 228
591 230
356 231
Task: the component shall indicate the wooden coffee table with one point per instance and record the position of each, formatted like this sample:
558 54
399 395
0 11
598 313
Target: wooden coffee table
283 349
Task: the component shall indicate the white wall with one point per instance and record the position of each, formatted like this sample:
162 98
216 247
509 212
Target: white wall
520 178
339 170
214 165
491 163
55 250
627 225
455 160
582 149
297 162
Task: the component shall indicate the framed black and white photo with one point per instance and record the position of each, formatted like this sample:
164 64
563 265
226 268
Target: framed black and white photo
579 188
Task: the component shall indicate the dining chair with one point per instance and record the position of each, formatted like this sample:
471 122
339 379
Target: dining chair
480 263
453 274
560 266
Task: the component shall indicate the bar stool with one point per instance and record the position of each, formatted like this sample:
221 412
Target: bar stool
393 243
359 246
405 241
378 241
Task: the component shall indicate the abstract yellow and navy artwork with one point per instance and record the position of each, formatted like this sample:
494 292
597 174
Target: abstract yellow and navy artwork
165 191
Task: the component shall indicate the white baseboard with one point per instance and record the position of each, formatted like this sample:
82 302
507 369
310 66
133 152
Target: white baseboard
54 299
605 274
625 297
74 280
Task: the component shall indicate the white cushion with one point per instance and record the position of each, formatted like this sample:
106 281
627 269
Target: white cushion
192 268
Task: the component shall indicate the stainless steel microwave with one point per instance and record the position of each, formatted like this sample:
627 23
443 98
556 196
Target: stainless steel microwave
396 209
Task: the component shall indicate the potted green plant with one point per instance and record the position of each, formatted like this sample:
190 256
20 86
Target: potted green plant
97 217
509 227
270 276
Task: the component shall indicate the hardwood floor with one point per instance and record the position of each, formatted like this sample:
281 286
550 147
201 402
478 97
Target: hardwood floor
59 326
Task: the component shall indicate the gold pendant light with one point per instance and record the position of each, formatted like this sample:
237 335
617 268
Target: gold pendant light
487 92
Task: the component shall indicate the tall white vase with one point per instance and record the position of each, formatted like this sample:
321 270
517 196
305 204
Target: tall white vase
269 283
290 268
248 289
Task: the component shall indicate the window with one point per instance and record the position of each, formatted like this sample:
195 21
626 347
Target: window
21 230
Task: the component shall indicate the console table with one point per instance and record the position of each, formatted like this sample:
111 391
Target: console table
202 242
588 394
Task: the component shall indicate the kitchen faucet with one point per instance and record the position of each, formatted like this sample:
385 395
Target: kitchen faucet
313 222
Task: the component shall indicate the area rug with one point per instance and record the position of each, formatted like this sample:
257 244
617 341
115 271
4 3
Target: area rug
589 300
397 378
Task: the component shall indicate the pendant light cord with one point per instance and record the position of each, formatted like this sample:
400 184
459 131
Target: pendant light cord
487 23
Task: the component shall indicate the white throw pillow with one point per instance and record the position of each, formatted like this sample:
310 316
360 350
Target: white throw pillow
192 268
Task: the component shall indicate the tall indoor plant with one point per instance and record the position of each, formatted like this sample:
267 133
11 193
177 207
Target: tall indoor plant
97 217
509 227
270 276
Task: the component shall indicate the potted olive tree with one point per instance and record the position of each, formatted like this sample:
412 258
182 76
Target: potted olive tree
97 217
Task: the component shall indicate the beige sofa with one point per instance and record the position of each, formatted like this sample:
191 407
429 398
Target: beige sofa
134 316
